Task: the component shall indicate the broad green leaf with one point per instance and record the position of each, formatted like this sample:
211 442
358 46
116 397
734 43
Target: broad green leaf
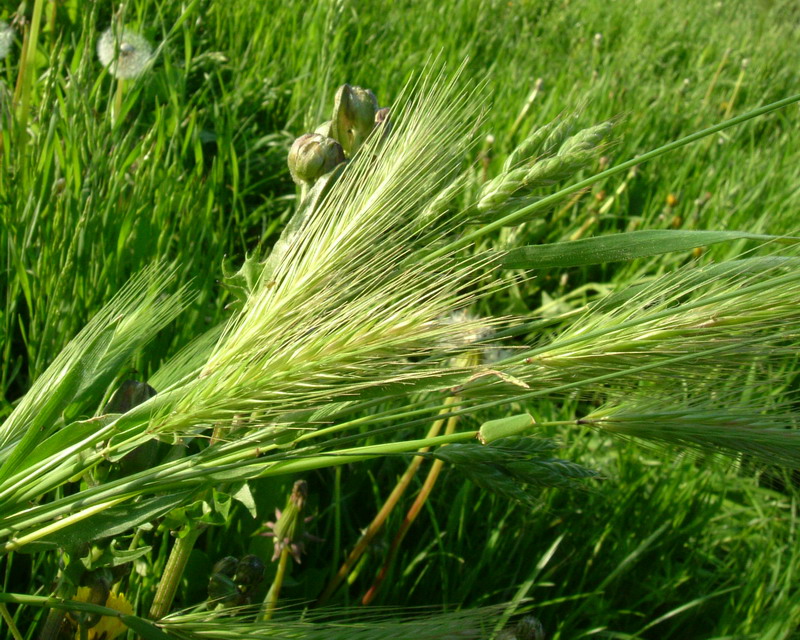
619 247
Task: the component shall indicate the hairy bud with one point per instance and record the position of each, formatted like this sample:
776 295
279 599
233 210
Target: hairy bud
312 156
354 112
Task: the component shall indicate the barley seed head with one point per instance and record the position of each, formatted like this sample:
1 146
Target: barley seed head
124 53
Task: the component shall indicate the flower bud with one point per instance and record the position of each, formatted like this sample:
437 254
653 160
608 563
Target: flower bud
249 571
353 117
128 395
226 566
312 156
222 590
289 528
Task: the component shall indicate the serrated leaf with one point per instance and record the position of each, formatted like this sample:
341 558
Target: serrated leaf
243 282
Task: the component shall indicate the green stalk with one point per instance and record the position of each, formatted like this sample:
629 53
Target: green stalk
271 600
411 516
201 475
10 622
29 68
116 110
544 203
377 522
173 572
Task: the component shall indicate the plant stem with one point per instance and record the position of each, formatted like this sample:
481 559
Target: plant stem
271 601
116 110
173 572
412 514
143 627
28 70
10 622
377 522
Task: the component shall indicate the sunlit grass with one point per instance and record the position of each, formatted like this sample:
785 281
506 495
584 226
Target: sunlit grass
192 172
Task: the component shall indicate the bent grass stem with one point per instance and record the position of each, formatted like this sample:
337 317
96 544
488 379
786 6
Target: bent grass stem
523 213
10 622
413 512
377 522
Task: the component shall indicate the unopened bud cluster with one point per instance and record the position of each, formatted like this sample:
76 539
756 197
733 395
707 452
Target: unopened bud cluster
356 115
232 581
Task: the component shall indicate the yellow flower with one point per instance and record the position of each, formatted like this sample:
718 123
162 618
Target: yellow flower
109 627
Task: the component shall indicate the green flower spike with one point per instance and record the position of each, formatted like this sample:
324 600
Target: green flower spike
312 156
354 112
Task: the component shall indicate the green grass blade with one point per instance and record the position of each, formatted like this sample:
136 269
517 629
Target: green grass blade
618 247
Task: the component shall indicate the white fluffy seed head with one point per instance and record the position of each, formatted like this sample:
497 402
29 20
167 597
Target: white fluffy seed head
123 52
6 38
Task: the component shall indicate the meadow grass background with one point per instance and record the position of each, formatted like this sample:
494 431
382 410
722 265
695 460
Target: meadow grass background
667 545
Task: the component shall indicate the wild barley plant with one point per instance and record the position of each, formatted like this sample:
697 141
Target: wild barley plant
343 334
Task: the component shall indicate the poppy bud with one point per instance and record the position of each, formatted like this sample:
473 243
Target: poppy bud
249 571
222 590
226 566
353 117
312 156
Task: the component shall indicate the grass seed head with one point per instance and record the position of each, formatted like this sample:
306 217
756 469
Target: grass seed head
124 53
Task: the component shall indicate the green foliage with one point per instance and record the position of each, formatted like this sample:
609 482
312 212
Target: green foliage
660 308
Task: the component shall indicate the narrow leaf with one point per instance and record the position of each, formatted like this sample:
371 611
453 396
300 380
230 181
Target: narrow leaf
619 247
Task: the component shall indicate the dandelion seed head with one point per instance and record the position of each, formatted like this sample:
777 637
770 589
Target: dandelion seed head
6 39
124 53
